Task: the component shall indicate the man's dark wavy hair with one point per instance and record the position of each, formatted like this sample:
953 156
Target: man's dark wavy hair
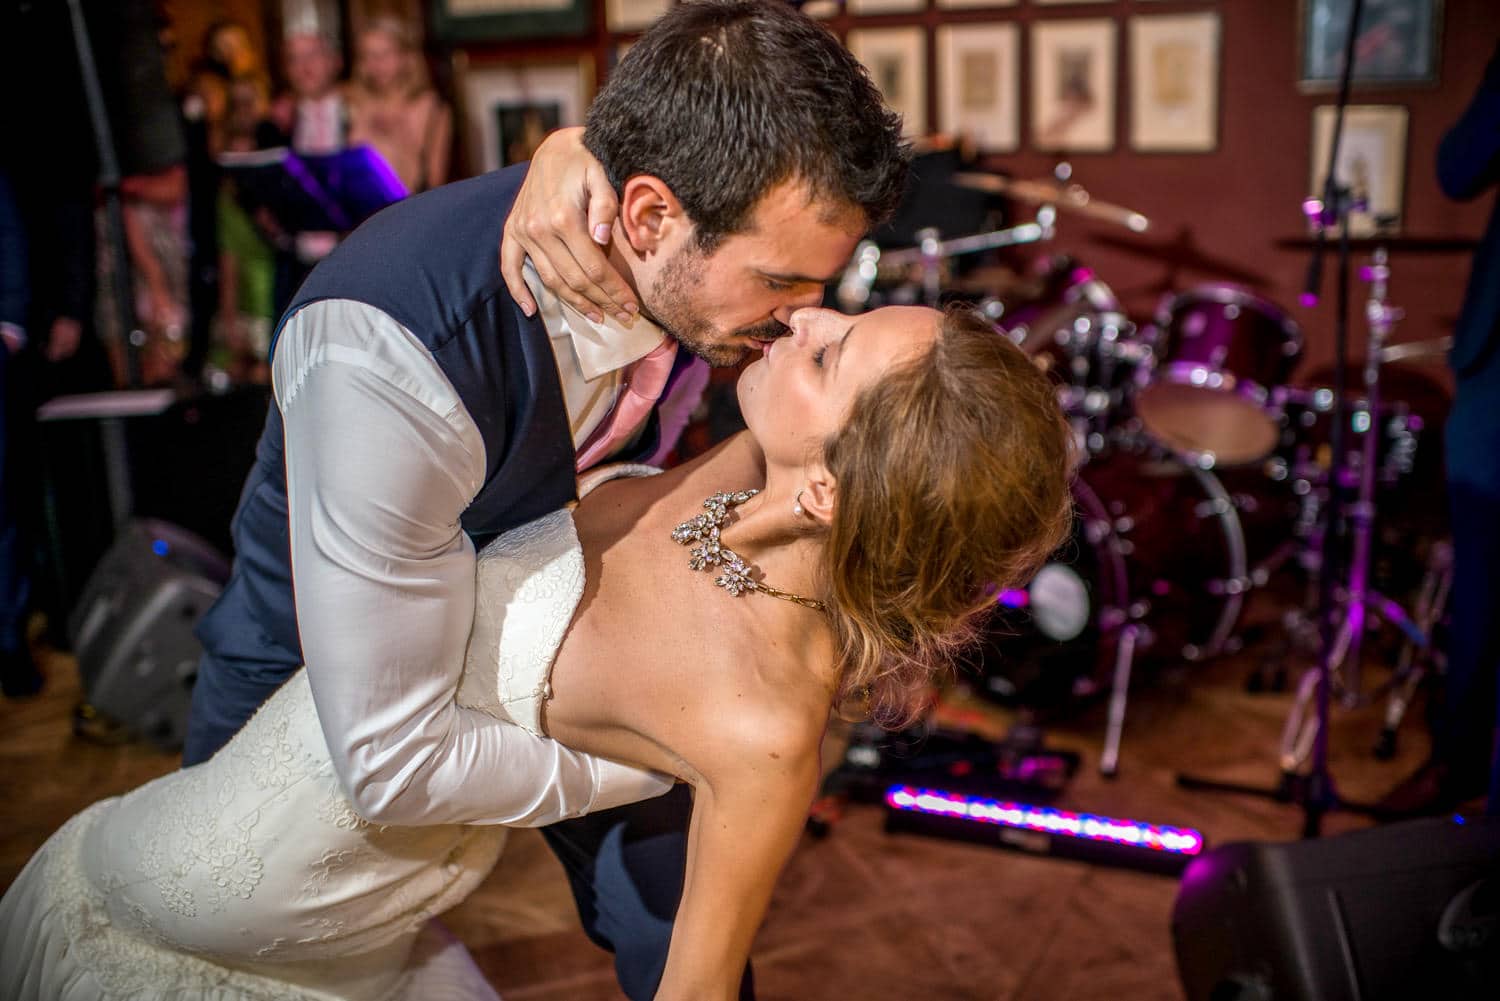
724 99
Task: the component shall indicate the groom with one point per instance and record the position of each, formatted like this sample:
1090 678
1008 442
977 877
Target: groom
420 412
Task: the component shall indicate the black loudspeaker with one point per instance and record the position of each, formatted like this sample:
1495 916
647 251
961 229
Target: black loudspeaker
1407 911
133 628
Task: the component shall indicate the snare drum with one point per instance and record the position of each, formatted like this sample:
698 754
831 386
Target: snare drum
1220 353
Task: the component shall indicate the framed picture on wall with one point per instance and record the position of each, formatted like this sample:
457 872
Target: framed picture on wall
979 84
1371 164
633 15
1073 85
1395 43
897 61
509 107
490 20
971 4
884 6
1174 83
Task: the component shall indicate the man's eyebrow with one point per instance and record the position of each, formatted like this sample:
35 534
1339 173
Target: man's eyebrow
799 279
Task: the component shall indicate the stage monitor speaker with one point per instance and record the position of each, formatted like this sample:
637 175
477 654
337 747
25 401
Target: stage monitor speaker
133 628
1405 911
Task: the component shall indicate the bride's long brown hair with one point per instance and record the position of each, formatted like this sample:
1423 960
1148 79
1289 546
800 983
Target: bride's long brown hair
953 480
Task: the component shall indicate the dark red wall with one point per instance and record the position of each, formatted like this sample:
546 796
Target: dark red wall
1234 203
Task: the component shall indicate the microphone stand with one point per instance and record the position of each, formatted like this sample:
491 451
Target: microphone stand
1315 792
109 183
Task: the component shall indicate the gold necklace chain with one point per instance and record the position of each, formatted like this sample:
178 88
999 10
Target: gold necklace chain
736 576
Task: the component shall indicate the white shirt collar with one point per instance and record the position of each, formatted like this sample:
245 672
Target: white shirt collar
600 347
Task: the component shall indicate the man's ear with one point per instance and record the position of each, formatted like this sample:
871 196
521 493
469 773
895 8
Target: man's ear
650 215
820 496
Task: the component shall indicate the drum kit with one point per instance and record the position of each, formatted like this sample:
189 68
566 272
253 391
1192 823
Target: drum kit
1204 470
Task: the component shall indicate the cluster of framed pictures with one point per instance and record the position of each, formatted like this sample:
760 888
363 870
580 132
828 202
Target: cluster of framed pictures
1173 73
1066 69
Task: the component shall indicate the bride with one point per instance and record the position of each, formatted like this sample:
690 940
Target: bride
898 466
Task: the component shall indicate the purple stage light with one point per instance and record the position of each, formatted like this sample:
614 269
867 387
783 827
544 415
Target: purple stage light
1012 598
1046 820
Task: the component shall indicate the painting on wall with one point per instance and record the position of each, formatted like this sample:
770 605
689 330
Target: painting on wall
1174 83
979 84
1371 164
633 15
493 20
1395 43
897 61
1073 85
511 106
884 6
970 4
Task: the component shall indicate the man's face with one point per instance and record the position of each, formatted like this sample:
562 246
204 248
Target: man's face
311 66
740 297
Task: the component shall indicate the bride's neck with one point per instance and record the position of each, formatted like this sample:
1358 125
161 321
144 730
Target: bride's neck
764 531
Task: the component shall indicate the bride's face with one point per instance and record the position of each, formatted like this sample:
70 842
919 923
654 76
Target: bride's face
799 391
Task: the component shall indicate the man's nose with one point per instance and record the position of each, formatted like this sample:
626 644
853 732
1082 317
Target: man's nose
812 297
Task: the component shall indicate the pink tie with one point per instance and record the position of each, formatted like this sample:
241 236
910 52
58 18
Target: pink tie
644 381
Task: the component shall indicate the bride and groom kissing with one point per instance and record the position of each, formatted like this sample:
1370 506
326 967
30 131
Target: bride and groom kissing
462 601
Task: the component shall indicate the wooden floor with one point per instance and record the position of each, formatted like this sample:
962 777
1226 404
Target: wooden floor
860 914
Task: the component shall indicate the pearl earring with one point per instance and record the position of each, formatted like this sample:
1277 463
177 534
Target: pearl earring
797 505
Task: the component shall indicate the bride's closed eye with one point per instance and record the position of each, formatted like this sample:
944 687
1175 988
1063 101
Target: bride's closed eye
818 355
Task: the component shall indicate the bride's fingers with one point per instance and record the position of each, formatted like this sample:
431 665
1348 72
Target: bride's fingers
555 278
512 264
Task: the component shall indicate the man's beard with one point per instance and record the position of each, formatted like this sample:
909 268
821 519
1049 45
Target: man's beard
675 310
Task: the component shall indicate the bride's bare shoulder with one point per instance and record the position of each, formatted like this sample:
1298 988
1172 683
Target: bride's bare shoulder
757 704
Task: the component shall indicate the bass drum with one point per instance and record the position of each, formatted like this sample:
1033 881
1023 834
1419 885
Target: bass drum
1155 541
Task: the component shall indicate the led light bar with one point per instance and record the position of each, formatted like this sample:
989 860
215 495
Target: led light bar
1139 838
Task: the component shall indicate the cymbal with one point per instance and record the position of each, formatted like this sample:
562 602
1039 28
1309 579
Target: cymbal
1432 350
1182 252
1065 196
1425 244
1000 282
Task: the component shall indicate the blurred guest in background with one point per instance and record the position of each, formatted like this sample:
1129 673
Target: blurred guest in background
1464 758
393 107
314 119
246 264
229 58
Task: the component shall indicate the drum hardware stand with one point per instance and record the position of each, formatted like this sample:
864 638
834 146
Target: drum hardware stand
859 275
1119 689
1315 791
1356 601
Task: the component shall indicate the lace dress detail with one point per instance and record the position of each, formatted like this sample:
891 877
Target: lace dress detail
251 875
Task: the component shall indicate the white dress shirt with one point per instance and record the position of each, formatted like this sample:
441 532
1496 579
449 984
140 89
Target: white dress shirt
591 357
382 458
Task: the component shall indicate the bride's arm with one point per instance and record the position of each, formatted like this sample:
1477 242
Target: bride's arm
749 808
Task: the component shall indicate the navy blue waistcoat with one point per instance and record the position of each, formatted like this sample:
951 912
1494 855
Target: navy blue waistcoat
432 264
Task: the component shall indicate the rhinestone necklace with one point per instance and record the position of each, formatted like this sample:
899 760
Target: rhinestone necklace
702 533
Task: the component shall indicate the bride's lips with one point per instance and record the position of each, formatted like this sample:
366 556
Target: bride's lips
765 346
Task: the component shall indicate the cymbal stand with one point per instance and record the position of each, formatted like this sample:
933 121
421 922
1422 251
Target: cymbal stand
1356 600
1315 792
858 279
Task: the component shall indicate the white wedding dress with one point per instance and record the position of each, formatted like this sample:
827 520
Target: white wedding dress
251 876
